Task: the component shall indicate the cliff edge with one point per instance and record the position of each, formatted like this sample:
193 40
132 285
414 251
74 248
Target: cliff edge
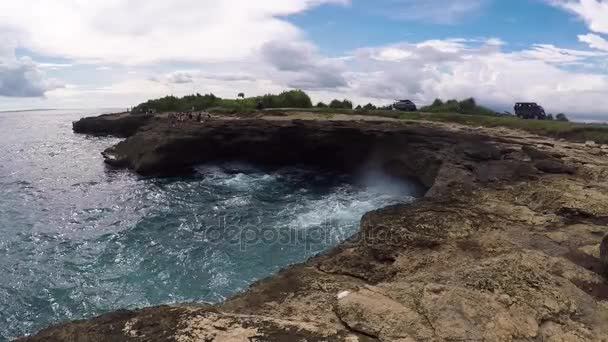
505 246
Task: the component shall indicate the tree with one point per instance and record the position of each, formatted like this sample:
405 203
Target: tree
359 107
321 105
369 106
347 104
561 117
241 95
550 117
294 99
437 103
335 104
468 105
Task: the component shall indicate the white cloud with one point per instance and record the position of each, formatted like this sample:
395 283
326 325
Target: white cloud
593 12
552 54
54 66
494 77
23 78
180 77
232 46
192 76
421 71
594 41
299 65
148 31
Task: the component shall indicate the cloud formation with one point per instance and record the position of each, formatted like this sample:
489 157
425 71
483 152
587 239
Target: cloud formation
148 31
460 68
23 78
593 12
594 41
595 15
299 65
140 49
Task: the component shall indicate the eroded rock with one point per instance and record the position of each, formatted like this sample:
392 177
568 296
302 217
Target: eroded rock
604 250
503 247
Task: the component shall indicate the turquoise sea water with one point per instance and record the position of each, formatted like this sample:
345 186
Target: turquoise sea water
78 239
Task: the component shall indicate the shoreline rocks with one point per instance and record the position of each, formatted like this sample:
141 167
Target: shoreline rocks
120 125
604 251
504 246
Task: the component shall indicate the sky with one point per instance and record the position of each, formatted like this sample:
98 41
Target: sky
118 53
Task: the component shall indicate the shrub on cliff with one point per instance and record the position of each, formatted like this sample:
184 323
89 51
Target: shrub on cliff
467 106
172 103
287 99
337 104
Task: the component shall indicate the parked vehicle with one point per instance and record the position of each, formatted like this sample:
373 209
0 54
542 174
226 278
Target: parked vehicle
530 110
405 105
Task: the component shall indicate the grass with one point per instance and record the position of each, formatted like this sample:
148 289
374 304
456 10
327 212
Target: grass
572 131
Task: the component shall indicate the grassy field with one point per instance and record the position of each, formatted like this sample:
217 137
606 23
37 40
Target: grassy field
578 132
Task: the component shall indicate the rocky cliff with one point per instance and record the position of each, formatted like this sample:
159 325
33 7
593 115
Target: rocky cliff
120 125
505 246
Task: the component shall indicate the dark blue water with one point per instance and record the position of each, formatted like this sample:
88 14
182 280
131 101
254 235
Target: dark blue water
78 239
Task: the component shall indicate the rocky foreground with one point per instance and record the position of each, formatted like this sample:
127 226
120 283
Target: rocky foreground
505 246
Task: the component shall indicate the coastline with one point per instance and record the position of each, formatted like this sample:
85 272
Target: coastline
505 244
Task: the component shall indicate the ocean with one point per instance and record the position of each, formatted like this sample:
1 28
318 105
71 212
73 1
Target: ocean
79 239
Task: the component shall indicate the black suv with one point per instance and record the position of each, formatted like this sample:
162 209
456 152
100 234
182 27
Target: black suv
530 110
405 105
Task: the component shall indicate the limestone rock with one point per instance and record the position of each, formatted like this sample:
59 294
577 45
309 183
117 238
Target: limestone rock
604 250
120 125
502 247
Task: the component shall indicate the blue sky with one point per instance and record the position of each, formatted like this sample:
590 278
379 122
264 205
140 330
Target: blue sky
521 23
71 53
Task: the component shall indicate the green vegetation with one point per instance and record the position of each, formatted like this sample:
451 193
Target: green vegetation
465 112
344 104
572 131
287 99
467 106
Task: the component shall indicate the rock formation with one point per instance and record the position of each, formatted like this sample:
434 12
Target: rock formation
505 246
604 251
120 125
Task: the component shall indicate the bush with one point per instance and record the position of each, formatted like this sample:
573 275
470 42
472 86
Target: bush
173 104
467 106
321 105
337 104
347 104
197 102
369 106
561 117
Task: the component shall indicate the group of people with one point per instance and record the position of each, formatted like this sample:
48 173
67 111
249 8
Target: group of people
180 117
